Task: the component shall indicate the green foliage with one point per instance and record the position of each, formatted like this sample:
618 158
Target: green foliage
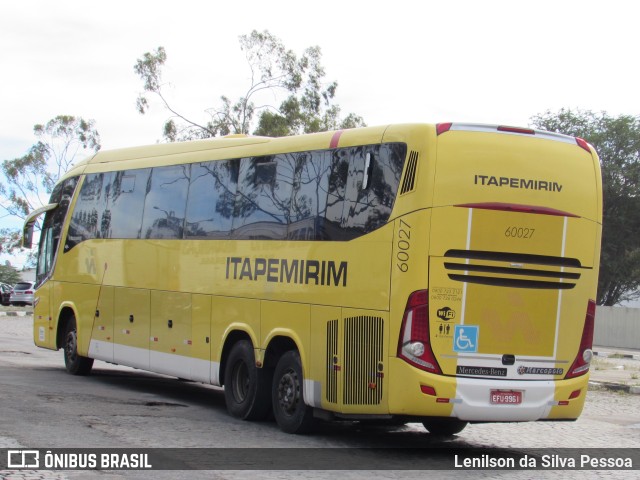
9 275
29 179
274 70
617 141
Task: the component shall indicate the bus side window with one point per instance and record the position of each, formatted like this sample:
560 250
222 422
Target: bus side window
166 202
374 177
263 198
127 193
46 253
211 202
52 228
331 225
88 215
309 201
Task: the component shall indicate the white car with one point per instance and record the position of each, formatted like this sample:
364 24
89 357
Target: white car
22 294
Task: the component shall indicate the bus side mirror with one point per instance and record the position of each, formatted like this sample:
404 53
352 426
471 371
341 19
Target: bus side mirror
29 223
27 236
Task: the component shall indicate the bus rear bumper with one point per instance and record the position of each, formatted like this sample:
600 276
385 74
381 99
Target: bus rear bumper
470 399
475 400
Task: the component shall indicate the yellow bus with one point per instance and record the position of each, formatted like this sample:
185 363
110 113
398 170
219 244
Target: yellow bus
443 274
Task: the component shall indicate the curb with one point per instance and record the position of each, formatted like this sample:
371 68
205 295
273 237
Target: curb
616 387
617 355
16 314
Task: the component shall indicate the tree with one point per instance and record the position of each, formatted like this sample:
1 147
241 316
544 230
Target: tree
617 141
308 106
29 179
9 275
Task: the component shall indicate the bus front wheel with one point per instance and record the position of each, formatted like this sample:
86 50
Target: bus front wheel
246 387
287 395
74 363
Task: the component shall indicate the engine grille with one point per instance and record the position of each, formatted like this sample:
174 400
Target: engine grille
363 362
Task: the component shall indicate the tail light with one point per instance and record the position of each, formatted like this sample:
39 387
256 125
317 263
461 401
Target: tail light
415 346
585 354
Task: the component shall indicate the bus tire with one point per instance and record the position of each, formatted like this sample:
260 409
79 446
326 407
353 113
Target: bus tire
444 426
287 394
74 363
246 387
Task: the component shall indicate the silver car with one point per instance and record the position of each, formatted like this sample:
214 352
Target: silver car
22 294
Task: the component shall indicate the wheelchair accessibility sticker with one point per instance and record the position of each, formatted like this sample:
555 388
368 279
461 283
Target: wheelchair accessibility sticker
465 338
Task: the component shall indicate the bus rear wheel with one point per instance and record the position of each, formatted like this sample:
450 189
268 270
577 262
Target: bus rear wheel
289 409
74 363
444 426
246 387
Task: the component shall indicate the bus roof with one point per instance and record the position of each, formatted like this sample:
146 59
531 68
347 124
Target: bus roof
222 147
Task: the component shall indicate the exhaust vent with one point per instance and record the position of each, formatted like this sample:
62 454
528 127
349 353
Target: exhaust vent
410 174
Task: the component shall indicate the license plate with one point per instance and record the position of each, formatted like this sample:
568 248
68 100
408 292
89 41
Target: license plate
506 397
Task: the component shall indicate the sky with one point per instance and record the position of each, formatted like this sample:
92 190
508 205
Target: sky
489 61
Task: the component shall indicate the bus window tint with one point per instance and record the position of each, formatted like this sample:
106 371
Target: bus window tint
166 202
331 227
312 195
263 200
128 190
353 209
211 199
85 220
373 204
309 201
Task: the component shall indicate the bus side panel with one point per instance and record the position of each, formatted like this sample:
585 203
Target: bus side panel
409 267
325 350
170 333
201 334
131 327
80 298
101 346
354 273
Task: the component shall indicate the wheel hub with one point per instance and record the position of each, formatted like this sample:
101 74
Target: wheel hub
70 347
240 382
288 391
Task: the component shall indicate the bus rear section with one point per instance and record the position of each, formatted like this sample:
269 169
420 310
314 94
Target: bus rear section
513 256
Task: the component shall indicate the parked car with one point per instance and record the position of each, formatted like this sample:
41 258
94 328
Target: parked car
22 294
5 293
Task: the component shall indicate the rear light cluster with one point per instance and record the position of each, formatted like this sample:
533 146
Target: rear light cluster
585 354
415 345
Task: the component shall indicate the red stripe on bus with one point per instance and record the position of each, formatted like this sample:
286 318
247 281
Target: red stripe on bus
513 207
335 139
